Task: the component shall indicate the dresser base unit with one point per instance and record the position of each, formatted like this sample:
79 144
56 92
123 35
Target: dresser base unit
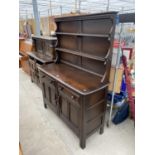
82 109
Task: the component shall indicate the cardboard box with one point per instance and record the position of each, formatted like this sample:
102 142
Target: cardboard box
118 80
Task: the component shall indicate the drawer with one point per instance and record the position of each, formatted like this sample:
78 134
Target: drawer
46 78
68 94
49 80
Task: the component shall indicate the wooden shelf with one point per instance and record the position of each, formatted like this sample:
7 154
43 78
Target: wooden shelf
84 34
44 37
78 53
40 57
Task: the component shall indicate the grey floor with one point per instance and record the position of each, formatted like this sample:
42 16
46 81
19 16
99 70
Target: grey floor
43 133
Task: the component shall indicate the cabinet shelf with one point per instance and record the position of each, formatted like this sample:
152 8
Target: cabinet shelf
78 53
84 34
40 57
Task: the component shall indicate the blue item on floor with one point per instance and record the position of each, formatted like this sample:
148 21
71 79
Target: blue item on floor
121 114
117 97
123 85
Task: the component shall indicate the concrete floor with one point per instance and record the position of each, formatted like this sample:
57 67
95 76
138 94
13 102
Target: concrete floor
43 133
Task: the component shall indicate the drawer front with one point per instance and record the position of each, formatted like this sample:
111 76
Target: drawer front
69 95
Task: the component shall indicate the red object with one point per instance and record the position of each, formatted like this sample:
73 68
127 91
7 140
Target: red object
129 88
129 49
116 44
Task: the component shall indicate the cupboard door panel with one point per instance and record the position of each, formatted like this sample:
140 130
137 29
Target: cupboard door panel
74 115
69 105
64 107
49 91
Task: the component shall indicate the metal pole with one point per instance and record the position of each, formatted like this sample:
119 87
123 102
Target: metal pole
108 3
49 21
26 16
75 6
79 6
115 77
36 17
48 13
61 10
122 9
51 7
32 16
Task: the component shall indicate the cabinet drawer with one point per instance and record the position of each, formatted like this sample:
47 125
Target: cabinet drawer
46 78
69 95
49 80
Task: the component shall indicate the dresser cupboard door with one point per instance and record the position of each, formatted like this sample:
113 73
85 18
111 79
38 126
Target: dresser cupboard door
69 105
48 86
32 70
37 78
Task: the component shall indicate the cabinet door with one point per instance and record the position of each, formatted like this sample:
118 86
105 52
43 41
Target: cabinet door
69 105
32 70
37 78
48 86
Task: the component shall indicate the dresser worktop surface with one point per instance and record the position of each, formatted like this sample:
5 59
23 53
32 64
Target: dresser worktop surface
80 81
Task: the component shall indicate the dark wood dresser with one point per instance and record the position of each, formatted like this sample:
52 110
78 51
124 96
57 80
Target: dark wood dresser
75 86
43 54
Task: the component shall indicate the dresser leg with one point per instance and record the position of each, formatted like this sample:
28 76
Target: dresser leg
102 125
31 80
45 106
83 124
82 143
101 130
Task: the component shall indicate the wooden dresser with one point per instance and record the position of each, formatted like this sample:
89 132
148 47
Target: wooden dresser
75 86
43 54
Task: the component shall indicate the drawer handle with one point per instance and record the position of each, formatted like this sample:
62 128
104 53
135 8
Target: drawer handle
72 97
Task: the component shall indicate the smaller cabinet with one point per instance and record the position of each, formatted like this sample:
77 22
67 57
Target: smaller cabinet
43 54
